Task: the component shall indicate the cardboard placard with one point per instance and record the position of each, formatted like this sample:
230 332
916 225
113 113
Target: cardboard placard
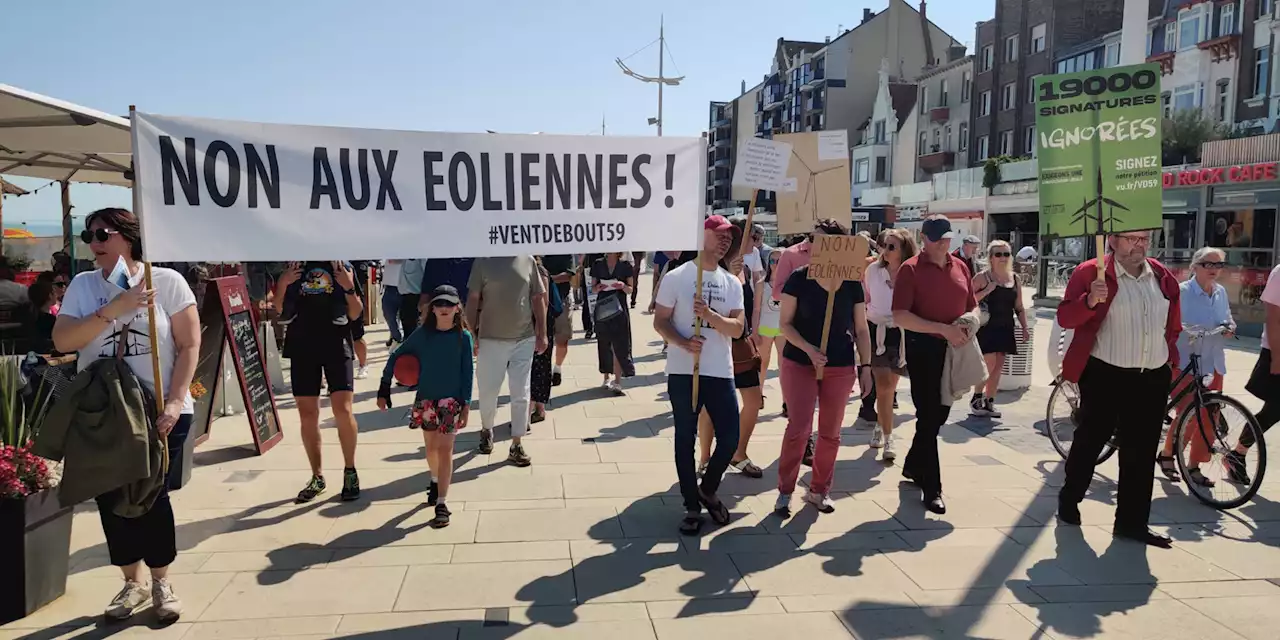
838 257
822 188
761 164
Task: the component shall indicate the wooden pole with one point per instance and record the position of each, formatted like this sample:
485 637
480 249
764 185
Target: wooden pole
1101 249
697 333
826 326
68 245
151 308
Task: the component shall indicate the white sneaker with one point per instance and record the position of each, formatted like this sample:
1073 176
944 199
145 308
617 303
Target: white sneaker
821 501
167 605
889 455
783 504
877 438
362 373
132 596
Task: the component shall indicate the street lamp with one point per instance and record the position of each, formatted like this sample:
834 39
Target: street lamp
660 80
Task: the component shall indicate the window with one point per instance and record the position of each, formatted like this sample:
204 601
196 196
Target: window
1112 55
882 169
1170 37
988 55
1037 38
1261 71
1224 100
860 170
984 144
1011 48
924 144
1029 141
963 143
966 86
1264 8
1184 97
1008 96
1150 35
1031 89
937 141
879 132
946 138
924 100
1165 108
1188 29
1227 19
984 104
1006 142
943 94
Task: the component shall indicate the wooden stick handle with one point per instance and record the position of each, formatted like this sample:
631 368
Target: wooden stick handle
155 367
826 329
697 333
1101 248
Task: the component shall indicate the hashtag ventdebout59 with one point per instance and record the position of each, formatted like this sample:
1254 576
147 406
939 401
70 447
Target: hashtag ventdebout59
359 179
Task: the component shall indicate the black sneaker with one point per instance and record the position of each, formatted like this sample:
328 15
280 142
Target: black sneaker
807 460
486 442
433 494
442 517
989 404
556 379
784 409
314 488
895 400
518 457
350 485
1236 471
978 406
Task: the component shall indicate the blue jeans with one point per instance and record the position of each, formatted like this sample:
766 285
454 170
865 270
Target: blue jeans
391 311
719 398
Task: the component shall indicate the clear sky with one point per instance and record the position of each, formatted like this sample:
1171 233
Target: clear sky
461 65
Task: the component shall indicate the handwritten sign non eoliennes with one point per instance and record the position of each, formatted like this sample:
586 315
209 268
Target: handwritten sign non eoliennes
838 257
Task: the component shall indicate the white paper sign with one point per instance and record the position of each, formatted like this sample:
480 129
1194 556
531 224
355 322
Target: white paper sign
789 185
761 164
833 145
217 190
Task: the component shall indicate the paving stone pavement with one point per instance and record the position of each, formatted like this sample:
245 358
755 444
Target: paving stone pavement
583 544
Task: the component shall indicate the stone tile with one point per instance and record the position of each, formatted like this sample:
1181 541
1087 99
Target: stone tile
270 627
471 586
85 599
830 572
1255 617
591 469
739 543
793 625
617 485
96 566
333 591
850 516
1156 619
558 524
1100 593
654 521
578 428
1233 549
879 540
614 630
510 551
96 629
642 577
570 614
839 603
410 624
507 505
1223 589
968 567
392 556
555 453
637 450
583 549
1093 556
264 530
963 512
931 538
488 487
286 558
749 605
997 622
977 596
396 525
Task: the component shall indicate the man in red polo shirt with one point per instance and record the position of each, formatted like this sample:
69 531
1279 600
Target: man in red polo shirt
931 290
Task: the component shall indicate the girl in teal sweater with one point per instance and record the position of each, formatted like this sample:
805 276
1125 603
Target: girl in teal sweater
442 347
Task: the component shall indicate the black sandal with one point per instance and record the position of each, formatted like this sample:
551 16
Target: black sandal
1168 467
1199 478
691 525
718 512
537 416
442 517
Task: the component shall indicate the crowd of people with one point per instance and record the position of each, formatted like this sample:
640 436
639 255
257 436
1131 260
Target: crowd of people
726 314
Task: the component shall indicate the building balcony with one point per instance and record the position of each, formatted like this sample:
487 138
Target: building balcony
1166 62
722 123
721 162
1222 49
940 114
722 141
937 161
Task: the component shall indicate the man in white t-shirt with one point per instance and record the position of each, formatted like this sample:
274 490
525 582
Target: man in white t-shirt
720 311
1027 254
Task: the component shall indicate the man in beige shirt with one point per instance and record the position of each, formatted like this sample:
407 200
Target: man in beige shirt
507 312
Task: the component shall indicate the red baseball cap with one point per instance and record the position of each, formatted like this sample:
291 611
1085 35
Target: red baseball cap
717 223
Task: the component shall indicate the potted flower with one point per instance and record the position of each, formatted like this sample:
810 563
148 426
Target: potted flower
35 529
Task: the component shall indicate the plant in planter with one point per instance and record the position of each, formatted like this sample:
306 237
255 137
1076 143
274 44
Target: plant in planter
35 529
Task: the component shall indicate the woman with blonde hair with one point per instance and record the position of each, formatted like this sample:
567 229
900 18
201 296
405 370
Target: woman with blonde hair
888 351
999 296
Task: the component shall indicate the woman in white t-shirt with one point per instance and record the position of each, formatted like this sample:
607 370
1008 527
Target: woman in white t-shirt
104 313
888 354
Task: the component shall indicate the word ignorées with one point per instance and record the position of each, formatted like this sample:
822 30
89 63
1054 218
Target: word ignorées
360 178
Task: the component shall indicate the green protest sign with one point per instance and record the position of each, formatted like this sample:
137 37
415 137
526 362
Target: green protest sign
1098 137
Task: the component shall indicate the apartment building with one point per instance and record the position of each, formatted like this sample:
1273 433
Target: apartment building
1019 44
727 124
880 142
1198 46
943 102
1257 90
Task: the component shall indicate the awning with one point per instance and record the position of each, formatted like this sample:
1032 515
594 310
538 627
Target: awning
10 189
42 137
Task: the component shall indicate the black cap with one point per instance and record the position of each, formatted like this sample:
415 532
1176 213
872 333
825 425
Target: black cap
936 229
445 293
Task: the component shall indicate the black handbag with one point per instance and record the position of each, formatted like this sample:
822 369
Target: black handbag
608 308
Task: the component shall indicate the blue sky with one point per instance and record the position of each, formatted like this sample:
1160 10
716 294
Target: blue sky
505 65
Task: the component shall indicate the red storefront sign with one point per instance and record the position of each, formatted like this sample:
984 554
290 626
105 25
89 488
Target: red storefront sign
1243 173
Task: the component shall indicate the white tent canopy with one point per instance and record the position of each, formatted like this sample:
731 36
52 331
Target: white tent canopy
42 137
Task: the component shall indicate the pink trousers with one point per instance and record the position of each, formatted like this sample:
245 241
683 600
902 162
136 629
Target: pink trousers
801 389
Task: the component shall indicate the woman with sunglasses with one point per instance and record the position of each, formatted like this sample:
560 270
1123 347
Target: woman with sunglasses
94 330
1000 296
1203 303
442 347
888 351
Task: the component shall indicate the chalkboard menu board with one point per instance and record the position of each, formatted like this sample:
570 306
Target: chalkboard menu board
227 319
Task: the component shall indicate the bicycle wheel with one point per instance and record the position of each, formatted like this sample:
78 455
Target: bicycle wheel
1221 423
1061 418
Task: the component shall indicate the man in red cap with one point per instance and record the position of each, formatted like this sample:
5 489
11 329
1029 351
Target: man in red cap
719 309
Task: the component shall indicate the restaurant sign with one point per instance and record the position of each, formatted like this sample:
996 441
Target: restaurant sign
1199 177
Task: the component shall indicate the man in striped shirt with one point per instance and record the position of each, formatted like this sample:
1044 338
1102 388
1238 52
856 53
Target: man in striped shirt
1122 356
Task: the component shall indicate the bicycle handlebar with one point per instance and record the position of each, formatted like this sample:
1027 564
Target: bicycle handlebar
1196 331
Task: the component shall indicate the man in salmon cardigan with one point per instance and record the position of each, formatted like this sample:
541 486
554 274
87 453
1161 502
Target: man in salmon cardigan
1122 357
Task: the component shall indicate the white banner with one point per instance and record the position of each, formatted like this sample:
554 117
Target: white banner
218 190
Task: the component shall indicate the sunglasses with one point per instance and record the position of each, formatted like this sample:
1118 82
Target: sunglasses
1212 265
891 247
442 304
101 235
1000 254
60 284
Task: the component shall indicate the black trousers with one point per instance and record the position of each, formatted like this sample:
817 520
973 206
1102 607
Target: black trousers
613 340
153 536
587 311
408 313
926 355
1128 403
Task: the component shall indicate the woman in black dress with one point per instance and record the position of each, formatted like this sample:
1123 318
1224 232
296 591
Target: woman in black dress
612 279
1000 296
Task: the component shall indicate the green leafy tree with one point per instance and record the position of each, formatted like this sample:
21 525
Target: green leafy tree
1185 131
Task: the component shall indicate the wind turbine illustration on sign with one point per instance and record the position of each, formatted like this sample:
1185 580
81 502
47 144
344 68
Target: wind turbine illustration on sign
811 189
1083 213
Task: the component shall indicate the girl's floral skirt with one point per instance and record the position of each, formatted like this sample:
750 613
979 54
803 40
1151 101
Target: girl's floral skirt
436 415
